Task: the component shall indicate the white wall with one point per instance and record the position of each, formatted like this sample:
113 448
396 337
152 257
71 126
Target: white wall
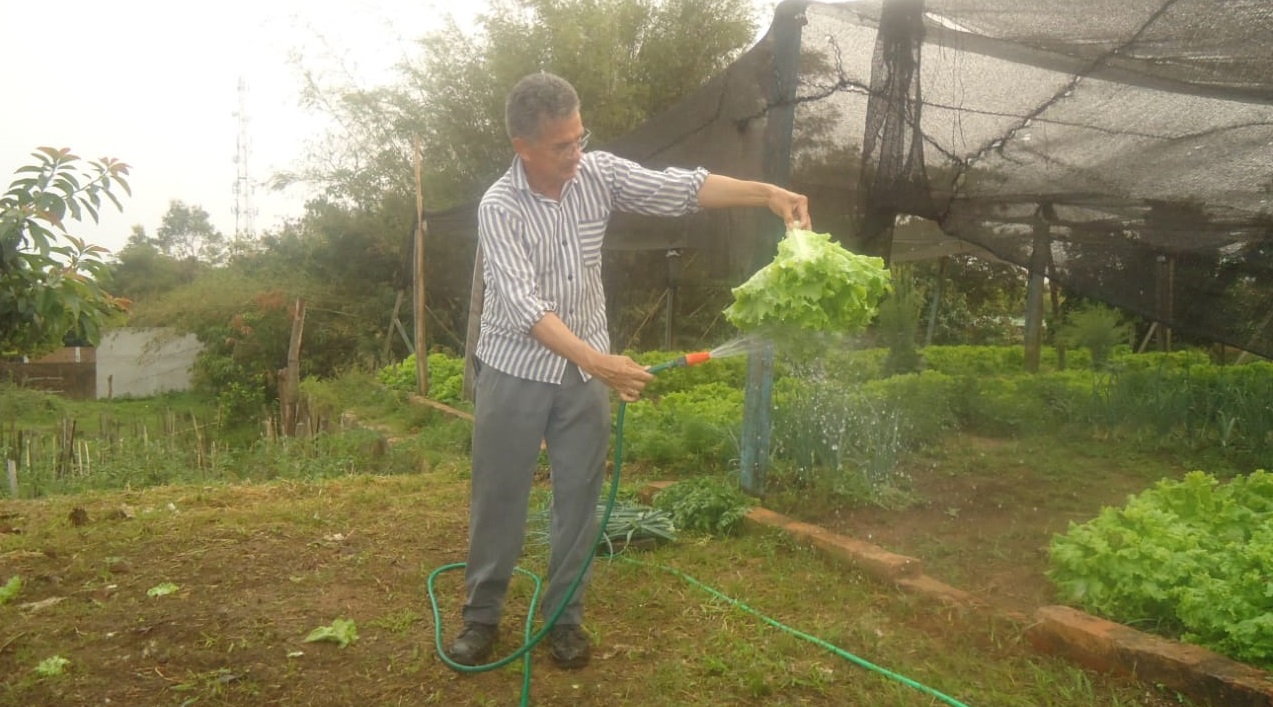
143 362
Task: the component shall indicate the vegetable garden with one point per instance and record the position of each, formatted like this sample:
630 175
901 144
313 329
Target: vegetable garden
943 464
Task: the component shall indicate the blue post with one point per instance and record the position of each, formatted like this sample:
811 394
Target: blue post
789 19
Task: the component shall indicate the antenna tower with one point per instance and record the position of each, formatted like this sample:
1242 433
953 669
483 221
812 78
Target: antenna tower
244 210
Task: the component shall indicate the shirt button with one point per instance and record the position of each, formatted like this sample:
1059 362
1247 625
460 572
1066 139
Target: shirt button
570 278
563 244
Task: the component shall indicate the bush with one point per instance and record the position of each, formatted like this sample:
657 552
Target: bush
446 377
705 504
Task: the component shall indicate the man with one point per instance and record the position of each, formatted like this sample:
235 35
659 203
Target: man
542 360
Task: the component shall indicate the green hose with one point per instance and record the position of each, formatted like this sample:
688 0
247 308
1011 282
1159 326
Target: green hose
532 638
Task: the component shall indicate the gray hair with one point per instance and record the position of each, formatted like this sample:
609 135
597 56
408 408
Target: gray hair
535 98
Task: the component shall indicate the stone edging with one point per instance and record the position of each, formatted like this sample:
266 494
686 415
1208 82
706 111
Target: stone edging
1057 630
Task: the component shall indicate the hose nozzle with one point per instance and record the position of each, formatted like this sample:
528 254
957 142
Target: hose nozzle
690 359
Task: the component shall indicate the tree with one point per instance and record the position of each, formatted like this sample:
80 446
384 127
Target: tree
629 60
141 272
49 278
187 233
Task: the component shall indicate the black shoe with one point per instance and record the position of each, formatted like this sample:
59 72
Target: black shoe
474 644
569 645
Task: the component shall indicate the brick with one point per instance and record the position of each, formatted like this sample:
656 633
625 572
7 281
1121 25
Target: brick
872 560
1110 647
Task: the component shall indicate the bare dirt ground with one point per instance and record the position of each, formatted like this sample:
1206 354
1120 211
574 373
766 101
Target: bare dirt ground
989 508
257 567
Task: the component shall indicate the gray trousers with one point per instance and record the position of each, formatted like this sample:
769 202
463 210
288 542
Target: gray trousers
513 416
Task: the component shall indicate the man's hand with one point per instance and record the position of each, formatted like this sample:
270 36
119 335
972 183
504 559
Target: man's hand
791 207
623 375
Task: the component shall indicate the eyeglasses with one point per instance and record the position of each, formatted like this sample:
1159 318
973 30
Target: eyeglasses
568 149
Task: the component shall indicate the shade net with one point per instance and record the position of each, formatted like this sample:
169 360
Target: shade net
1124 148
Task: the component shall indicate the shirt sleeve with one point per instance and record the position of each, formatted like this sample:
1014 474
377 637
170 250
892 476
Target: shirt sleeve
638 190
509 272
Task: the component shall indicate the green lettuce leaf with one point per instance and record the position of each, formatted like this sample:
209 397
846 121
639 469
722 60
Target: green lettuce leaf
812 284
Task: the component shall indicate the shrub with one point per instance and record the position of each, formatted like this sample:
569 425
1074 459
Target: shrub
705 504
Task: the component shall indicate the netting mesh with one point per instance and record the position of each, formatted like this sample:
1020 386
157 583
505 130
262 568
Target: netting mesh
1130 141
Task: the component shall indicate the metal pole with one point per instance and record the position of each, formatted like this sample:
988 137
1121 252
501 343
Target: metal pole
789 20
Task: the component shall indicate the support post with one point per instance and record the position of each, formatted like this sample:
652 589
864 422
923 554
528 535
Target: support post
476 300
421 345
789 21
292 375
935 306
1034 293
669 317
397 307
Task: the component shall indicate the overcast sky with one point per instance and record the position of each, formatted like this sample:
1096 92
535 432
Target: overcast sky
155 84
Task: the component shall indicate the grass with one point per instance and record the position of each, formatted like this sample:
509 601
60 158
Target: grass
259 565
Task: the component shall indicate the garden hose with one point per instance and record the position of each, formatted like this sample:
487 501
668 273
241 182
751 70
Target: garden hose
532 638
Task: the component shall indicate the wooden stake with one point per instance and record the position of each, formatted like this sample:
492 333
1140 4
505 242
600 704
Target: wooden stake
293 376
421 347
397 307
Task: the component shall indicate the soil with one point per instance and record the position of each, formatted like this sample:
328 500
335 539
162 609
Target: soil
259 567
985 527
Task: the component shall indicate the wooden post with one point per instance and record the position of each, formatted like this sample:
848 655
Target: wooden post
476 299
1034 293
421 345
12 468
292 378
935 306
397 307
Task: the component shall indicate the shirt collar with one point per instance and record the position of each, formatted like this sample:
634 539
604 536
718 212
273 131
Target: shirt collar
519 180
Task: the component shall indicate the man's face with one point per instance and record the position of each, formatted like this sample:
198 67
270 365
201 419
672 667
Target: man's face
552 159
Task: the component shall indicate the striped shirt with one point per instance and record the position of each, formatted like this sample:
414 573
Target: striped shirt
542 255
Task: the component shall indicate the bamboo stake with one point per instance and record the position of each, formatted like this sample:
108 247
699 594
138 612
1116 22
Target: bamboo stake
421 341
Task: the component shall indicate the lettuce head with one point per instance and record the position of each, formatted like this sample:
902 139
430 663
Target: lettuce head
813 284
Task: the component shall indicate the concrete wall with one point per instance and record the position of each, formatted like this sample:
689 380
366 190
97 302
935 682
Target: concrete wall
143 362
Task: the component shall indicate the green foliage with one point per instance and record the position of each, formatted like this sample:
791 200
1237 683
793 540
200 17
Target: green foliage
980 299
49 279
813 284
693 429
342 632
899 325
846 439
1191 554
1099 329
52 667
705 504
162 589
628 523
446 377
10 590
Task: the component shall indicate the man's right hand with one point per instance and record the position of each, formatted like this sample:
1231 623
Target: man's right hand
623 375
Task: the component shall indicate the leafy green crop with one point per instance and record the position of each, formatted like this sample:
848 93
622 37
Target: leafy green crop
1192 554
341 631
52 667
812 284
704 504
10 589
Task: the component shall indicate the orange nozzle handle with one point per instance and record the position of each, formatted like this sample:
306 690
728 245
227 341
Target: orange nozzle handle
698 357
